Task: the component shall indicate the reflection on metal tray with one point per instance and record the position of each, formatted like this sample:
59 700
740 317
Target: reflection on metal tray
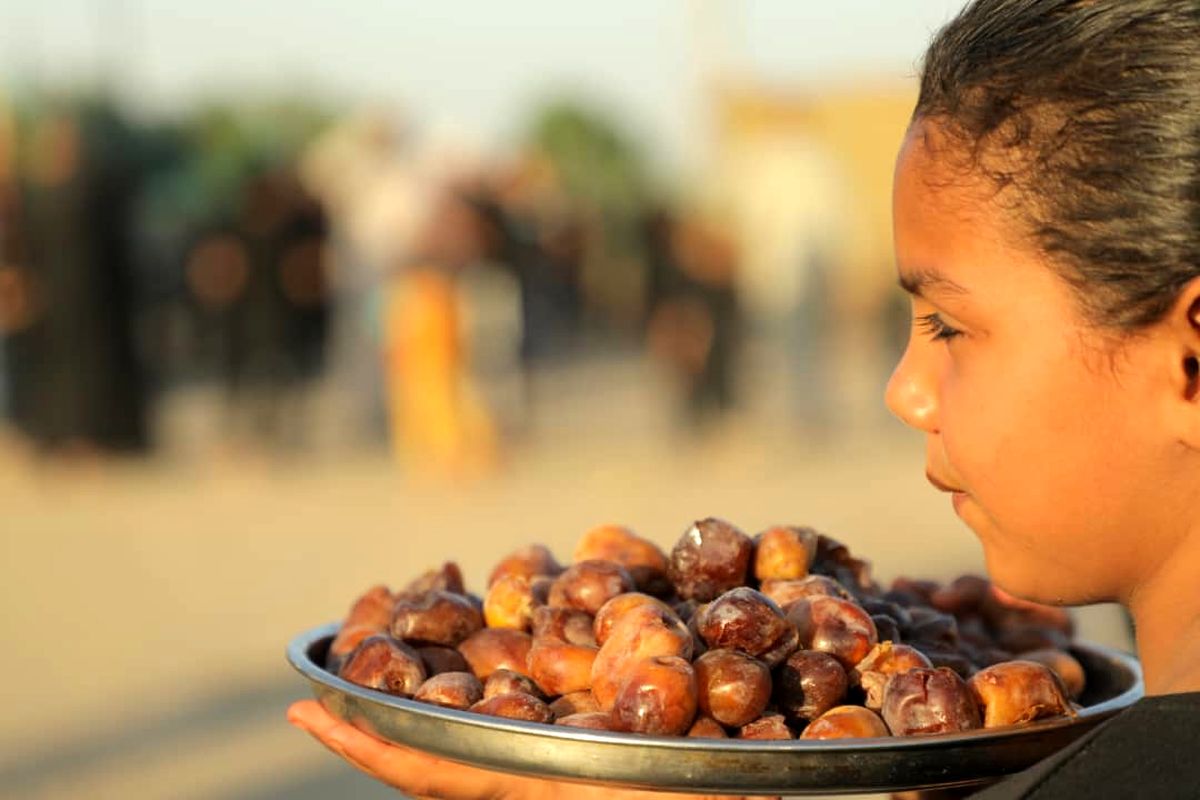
718 765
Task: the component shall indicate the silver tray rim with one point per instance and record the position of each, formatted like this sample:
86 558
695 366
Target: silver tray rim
324 682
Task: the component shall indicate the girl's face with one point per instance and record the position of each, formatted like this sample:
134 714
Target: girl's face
1043 430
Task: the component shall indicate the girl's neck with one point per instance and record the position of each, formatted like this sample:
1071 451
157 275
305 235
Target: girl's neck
1166 615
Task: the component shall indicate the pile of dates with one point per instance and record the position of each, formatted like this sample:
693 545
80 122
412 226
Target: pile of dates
776 636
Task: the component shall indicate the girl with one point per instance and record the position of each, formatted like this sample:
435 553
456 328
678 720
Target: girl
1047 229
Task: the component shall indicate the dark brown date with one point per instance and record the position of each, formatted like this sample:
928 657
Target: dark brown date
569 624
442 659
447 579
505 681
710 558
574 703
925 701
885 660
588 585
746 620
835 626
808 684
380 662
436 617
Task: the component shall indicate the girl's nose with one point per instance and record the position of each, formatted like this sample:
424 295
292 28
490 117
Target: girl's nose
911 393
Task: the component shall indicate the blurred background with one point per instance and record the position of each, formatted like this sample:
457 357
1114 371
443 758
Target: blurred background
299 298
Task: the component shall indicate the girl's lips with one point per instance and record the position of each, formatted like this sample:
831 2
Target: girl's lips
940 485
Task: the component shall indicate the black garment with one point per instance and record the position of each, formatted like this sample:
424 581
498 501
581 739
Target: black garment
1151 751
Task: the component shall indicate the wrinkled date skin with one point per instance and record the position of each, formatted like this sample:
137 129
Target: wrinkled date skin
808 684
1018 691
746 620
588 585
835 626
646 563
569 624
442 659
618 606
733 688
382 663
925 701
509 603
451 689
559 667
447 579
370 614
515 706
710 558
574 703
885 660
531 561
770 726
706 728
784 593
932 628
657 697
496 648
505 681
784 552
436 617
846 722
642 632
834 559
1065 666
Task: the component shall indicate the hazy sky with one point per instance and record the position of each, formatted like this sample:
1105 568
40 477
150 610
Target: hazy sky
475 64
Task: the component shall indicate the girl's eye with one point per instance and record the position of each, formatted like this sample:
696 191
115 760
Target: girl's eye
936 328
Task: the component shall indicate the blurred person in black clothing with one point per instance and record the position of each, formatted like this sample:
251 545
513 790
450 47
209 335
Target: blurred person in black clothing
693 321
75 378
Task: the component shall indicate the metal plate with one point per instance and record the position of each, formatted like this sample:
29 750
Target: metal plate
718 765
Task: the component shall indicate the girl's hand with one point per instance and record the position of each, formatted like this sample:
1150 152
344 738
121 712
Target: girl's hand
425 776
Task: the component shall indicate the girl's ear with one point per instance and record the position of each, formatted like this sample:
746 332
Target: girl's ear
1184 322
1191 358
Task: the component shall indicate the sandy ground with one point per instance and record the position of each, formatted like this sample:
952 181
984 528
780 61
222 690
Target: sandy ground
147 605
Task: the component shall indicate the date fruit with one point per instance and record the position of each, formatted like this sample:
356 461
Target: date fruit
925 701
656 697
380 662
733 688
712 557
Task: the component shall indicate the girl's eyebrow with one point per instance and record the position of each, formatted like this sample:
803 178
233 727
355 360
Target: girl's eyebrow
919 281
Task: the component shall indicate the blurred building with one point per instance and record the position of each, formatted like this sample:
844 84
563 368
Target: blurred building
806 177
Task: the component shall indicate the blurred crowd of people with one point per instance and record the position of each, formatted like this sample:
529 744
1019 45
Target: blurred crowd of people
260 255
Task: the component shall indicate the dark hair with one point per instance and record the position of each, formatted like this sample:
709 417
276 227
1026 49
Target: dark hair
1088 113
